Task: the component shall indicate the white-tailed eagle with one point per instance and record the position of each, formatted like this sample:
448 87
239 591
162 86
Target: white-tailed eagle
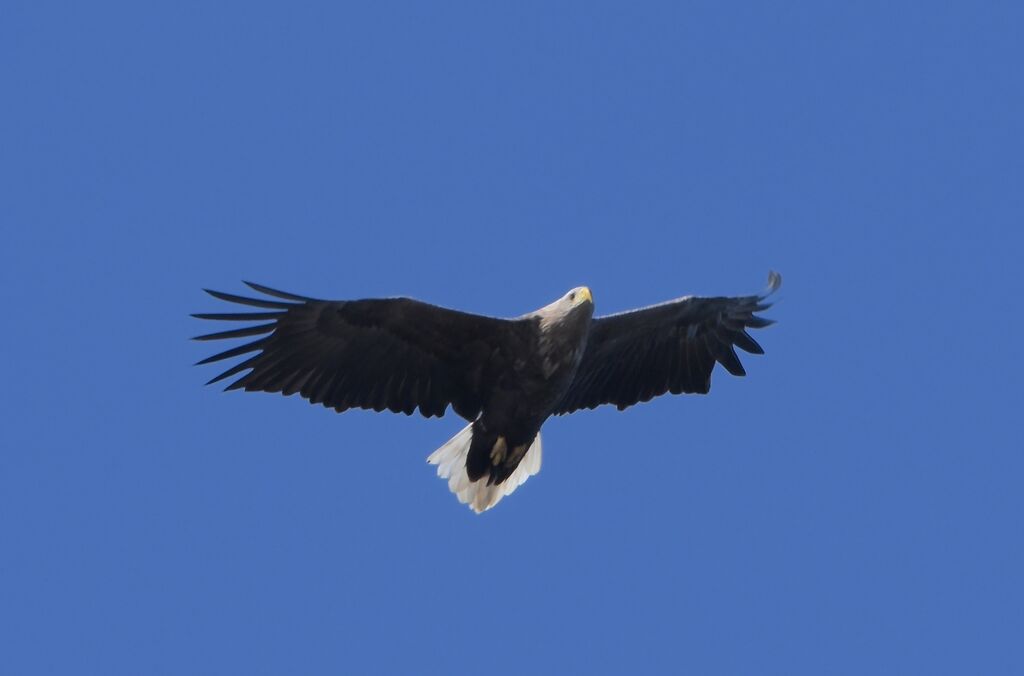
504 376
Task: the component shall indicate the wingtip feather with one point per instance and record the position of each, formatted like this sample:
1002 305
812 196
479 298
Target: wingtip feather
244 300
276 292
238 333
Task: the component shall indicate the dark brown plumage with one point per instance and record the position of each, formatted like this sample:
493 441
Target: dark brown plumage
505 376
397 354
635 356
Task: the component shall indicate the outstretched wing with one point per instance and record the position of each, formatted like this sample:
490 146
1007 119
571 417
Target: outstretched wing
398 354
637 355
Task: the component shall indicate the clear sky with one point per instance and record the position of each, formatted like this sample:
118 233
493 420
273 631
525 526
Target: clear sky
853 506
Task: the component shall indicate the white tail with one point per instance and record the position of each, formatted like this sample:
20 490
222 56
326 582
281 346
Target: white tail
451 464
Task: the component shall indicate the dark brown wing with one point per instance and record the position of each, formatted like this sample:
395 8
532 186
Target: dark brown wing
635 356
397 354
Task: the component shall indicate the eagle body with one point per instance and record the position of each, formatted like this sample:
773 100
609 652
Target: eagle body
506 377
531 385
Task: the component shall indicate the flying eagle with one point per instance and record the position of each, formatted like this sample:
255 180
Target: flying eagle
504 376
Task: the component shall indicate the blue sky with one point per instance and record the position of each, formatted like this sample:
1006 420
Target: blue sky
852 506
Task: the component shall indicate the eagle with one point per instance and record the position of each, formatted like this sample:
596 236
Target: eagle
505 377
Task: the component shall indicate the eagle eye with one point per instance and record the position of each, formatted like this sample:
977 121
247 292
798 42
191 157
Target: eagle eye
572 296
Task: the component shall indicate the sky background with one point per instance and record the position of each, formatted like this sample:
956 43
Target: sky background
852 506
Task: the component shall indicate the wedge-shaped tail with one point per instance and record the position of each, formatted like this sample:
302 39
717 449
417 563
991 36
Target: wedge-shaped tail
479 495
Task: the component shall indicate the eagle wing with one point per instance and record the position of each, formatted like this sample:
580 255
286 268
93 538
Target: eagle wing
637 355
397 353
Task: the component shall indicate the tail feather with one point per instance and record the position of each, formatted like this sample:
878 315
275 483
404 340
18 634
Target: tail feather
480 495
